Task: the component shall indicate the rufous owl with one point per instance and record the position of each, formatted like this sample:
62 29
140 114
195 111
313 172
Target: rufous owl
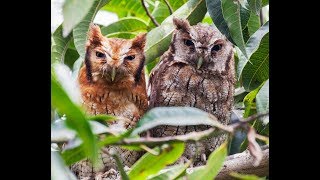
197 71
112 81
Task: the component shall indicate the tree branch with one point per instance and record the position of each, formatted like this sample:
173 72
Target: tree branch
243 163
169 7
193 136
148 13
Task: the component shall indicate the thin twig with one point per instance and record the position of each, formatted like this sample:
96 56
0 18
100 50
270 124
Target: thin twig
148 13
169 7
191 137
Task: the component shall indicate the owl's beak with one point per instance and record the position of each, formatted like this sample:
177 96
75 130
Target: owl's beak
200 61
113 73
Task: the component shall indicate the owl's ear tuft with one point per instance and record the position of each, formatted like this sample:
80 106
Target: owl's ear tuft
182 24
139 41
94 35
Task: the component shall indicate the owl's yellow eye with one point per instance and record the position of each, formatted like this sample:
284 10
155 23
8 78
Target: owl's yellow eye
100 55
188 42
129 58
216 47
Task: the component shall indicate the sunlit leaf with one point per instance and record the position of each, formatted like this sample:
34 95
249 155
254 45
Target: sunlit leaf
59 45
73 12
150 164
213 166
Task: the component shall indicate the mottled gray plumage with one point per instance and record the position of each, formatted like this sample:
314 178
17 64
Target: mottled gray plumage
197 71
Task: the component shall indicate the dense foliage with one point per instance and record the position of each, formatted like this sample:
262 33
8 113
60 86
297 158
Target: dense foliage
243 22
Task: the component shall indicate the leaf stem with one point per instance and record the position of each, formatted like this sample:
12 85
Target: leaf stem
148 13
169 7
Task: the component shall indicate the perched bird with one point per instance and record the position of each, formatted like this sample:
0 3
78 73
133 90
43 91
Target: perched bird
197 71
112 81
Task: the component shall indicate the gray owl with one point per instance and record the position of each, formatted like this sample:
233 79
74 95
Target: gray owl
196 71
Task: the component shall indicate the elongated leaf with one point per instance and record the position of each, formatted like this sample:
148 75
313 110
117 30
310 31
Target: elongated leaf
123 174
75 117
213 166
124 27
176 4
159 38
215 11
231 14
125 8
59 45
170 173
262 100
71 57
174 116
76 154
255 6
73 12
102 117
81 30
160 12
249 102
59 171
257 71
252 46
150 164
63 76
61 133
244 16
265 2
253 23
245 176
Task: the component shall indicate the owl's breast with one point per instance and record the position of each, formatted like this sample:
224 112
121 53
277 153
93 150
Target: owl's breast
124 104
181 85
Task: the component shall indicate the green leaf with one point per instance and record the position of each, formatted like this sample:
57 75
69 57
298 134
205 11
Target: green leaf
265 2
231 14
71 156
158 39
75 117
125 26
59 171
207 19
170 173
245 176
174 116
262 100
244 16
213 166
123 174
253 23
150 164
249 102
125 8
160 12
252 46
71 57
81 30
102 117
215 11
59 45
255 6
77 153
73 12
176 4
257 71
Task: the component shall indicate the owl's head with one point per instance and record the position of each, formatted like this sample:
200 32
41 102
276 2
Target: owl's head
113 59
200 46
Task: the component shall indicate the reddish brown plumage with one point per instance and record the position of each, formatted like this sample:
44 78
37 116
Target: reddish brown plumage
112 82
